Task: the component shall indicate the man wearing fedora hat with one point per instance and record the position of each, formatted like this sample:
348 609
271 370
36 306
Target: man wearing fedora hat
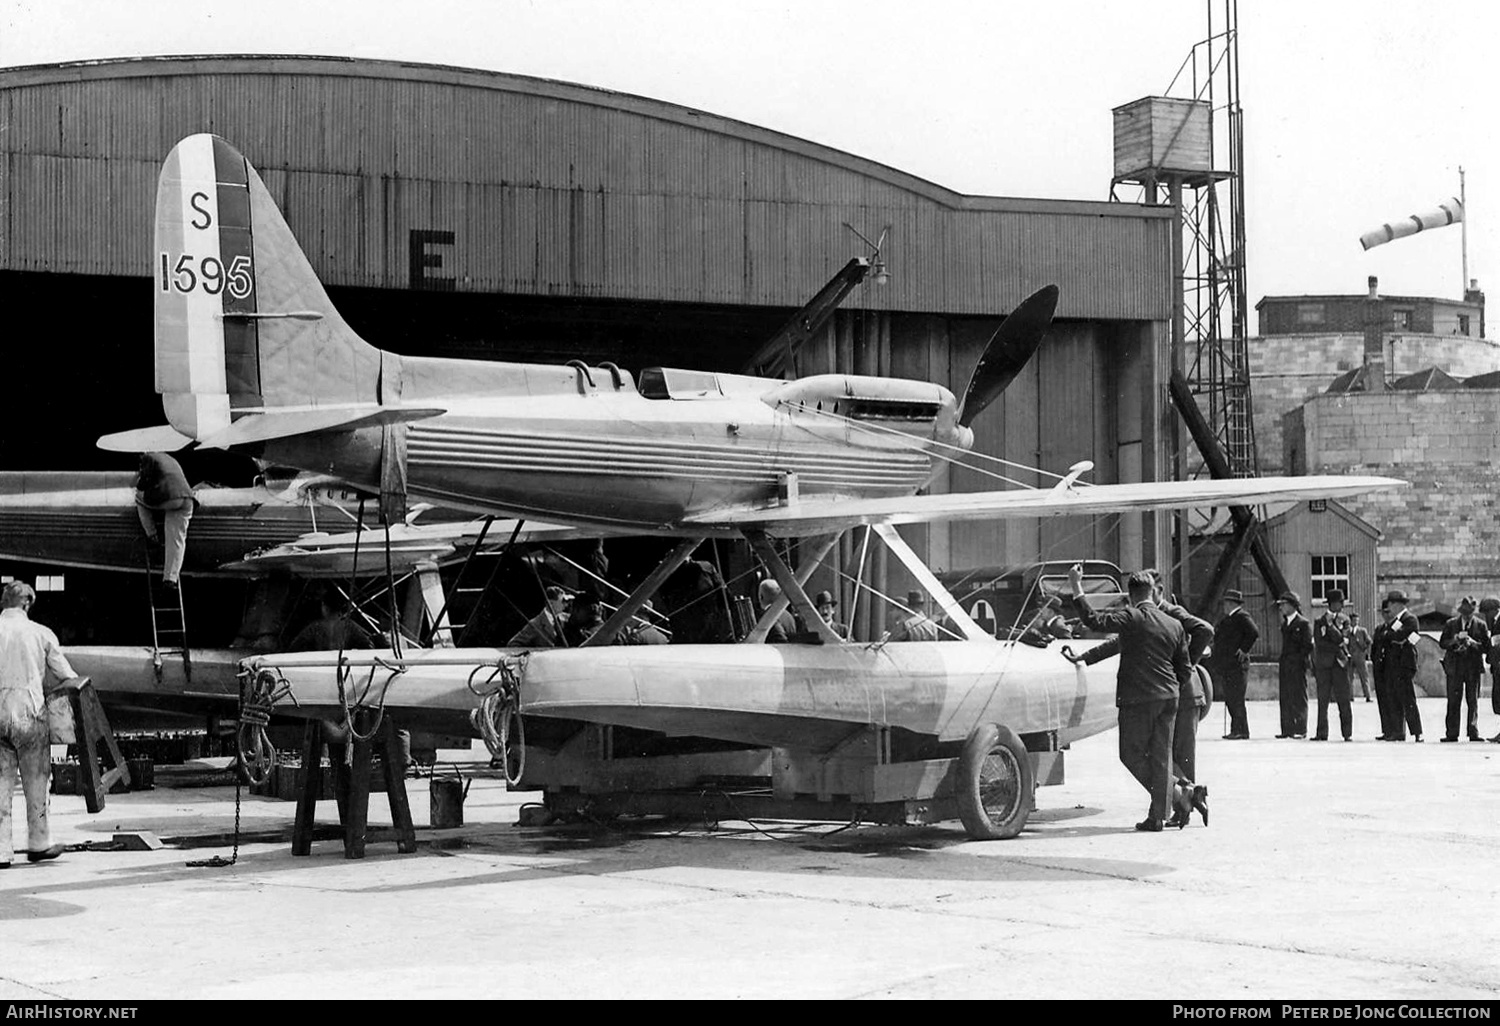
1234 637
1331 665
1465 641
1293 664
918 626
1385 699
1401 668
828 609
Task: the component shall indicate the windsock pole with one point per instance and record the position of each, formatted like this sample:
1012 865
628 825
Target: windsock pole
1463 200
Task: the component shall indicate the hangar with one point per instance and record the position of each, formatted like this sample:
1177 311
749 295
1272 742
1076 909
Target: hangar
471 213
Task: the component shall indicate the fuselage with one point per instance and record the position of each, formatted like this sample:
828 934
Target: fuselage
594 446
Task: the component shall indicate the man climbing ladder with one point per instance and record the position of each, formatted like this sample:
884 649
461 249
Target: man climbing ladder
161 487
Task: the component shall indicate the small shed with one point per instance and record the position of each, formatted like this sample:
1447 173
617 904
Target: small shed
1319 545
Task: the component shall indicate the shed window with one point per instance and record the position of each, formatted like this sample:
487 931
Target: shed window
1463 324
1310 313
1329 572
1402 320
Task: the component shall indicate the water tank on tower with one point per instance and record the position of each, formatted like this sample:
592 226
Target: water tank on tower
1161 136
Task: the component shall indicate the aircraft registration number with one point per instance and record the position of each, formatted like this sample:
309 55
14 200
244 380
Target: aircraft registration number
187 273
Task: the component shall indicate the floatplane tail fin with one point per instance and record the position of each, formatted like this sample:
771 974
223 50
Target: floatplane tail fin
249 347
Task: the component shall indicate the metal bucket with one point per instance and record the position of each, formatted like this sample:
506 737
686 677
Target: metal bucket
142 774
447 796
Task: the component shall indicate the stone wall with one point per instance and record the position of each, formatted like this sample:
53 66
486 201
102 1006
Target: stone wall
1441 536
1287 370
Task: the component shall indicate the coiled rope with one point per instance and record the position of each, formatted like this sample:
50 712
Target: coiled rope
498 718
345 672
259 692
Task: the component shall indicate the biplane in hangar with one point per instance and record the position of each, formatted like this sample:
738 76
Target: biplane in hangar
252 356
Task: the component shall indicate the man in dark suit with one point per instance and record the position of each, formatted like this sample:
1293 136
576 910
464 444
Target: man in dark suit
1380 648
1292 667
1465 641
828 609
1234 637
1489 609
1331 665
1401 668
1154 670
1190 704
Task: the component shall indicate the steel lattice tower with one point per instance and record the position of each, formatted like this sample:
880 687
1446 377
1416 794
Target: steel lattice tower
1211 320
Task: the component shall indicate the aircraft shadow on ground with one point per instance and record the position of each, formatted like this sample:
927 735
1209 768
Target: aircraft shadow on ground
940 852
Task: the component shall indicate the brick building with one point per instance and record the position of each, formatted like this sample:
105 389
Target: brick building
1423 315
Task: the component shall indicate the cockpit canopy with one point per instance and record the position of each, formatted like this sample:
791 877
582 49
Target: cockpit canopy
671 383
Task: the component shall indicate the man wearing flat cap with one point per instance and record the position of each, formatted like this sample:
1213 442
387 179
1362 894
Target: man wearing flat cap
1401 668
1047 623
1234 637
1465 641
1331 665
1293 664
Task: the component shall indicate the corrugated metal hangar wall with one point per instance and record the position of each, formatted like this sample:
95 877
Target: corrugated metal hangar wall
481 214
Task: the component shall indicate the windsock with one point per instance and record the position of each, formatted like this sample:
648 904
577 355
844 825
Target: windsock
1448 213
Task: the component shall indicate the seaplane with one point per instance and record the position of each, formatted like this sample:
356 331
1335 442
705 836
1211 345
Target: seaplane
251 356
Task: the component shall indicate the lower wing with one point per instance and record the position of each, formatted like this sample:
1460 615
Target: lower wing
821 516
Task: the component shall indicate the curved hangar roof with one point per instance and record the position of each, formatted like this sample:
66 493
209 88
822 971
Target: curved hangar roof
400 176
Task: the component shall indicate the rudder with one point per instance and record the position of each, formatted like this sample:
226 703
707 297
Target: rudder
243 325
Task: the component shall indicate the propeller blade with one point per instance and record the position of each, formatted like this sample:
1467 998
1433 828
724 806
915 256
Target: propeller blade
1012 346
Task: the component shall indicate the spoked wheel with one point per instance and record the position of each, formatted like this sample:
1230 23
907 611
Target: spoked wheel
996 783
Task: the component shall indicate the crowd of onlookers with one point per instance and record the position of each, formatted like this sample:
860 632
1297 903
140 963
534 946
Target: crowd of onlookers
1336 648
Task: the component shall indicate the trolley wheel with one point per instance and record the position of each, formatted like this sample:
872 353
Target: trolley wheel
996 783
1206 679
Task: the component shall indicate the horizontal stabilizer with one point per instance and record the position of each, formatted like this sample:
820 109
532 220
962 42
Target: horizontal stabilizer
820 516
263 427
163 438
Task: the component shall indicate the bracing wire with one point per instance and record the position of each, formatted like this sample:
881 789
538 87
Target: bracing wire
923 445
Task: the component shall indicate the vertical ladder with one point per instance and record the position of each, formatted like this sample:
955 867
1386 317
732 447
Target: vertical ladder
168 624
472 597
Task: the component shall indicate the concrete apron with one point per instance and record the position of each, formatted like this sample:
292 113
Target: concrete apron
1330 870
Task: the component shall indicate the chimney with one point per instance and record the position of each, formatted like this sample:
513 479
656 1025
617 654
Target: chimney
1374 338
1474 295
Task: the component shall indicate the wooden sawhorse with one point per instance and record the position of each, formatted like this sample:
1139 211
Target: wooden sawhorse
95 743
351 786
